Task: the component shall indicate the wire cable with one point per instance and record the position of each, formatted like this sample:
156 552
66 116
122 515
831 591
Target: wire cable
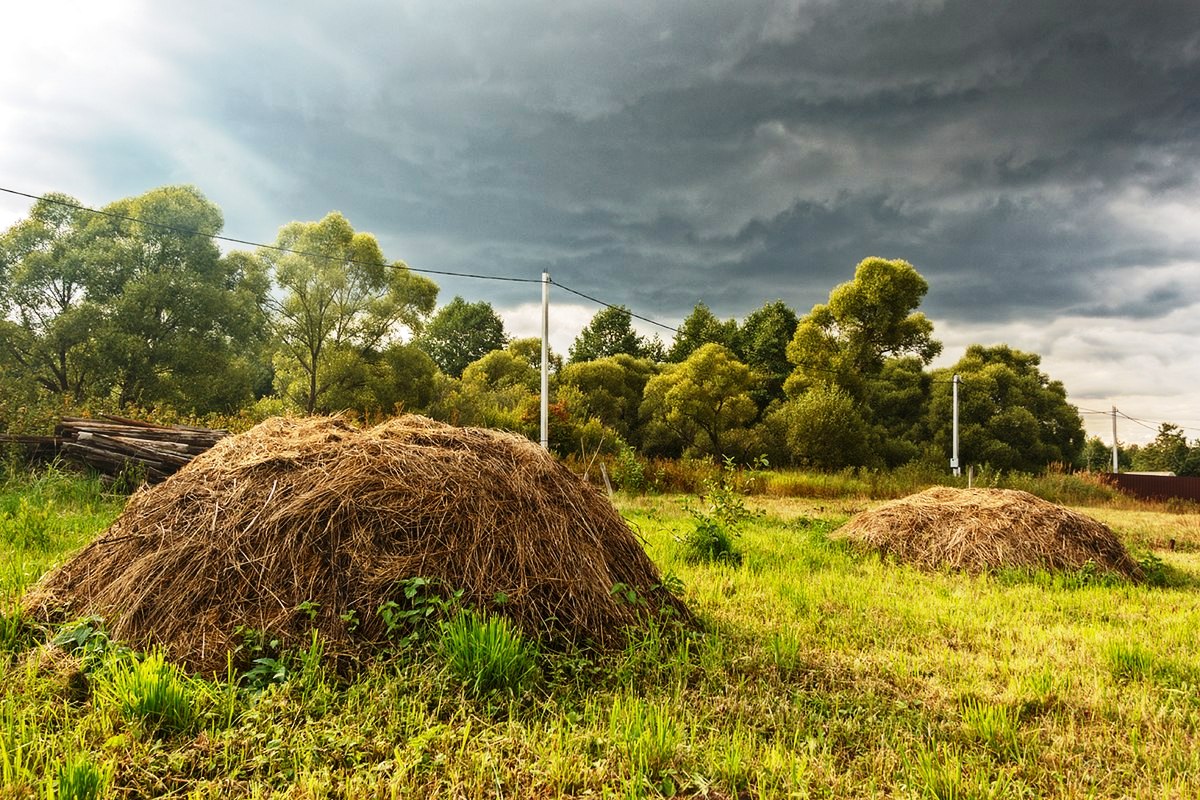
247 242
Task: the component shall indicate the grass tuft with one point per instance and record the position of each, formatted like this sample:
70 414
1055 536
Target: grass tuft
487 655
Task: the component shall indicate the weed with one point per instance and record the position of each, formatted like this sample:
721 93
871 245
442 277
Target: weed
150 692
80 778
487 655
648 734
17 633
995 726
25 524
714 527
424 603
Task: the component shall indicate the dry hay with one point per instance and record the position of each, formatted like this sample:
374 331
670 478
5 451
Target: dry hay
292 525
979 530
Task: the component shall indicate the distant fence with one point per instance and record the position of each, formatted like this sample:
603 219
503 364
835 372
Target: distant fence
1156 487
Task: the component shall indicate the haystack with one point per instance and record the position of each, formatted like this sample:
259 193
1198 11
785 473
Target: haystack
979 530
310 524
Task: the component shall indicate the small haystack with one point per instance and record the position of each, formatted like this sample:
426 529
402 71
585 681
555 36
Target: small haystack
979 530
302 524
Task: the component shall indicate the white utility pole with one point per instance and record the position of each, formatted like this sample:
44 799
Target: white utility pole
546 360
1116 465
954 456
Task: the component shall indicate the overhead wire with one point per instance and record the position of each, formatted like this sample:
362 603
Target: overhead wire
454 274
220 238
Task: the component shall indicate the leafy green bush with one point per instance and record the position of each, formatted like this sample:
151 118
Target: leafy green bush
421 603
718 522
487 655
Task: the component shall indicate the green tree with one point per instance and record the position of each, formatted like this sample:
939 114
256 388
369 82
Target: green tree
701 327
529 350
46 323
1169 452
135 305
1011 415
501 369
762 342
609 333
460 333
610 390
821 428
698 404
340 300
867 320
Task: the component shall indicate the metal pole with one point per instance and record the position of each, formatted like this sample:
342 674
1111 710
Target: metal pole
954 456
1116 465
546 360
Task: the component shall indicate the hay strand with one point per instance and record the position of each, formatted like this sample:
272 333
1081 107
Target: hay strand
313 512
979 530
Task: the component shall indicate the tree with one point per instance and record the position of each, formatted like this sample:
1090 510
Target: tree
866 321
341 300
699 328
45 322
529 350
700 402
762 342
610 390
1169 452
1011 415
609 333
821 428
460 333
134 305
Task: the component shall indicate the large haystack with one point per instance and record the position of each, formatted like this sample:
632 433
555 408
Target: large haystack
989 529
296 523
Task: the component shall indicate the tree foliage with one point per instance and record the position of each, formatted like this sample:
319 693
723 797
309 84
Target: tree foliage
1011 415
762 343
460 333
823 429
867 320
610 390
135 305
610 333
1169 452
341 300
696 405
699 328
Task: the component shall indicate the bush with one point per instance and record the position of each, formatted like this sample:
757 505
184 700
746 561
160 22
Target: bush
822 428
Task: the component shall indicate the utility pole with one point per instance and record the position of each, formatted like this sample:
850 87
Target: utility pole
1116 465
954 456
545 360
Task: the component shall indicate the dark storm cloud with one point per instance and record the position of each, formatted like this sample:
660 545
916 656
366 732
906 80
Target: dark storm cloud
661 154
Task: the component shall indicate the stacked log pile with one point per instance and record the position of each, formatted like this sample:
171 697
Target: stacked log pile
112 445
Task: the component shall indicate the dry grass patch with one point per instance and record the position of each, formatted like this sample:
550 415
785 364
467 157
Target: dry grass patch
301 525
978 530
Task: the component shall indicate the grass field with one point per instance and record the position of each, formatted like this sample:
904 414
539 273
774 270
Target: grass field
822 673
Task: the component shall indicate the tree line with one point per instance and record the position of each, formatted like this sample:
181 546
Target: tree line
131 308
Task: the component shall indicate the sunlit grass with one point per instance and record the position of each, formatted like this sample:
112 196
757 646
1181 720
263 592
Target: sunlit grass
820 672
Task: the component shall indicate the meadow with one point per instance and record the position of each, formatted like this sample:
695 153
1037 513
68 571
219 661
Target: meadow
820 672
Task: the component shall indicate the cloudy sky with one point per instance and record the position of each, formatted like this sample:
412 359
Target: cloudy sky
1036 161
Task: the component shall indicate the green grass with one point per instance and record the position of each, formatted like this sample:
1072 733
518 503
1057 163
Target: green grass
821 673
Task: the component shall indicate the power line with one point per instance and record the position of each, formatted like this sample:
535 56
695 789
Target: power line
276 248
566 288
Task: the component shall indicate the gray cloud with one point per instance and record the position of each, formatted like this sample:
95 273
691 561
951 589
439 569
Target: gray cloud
1023 156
